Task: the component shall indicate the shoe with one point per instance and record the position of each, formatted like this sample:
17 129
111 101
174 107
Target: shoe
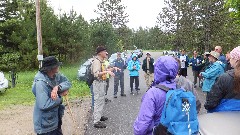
137 89
99 125
103 118
123 95
131 92
115 96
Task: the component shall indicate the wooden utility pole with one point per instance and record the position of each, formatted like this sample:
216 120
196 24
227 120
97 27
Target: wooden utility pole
39 33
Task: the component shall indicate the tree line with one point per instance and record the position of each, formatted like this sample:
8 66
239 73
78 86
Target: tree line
188 24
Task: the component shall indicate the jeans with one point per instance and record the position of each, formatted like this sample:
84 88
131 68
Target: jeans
118 78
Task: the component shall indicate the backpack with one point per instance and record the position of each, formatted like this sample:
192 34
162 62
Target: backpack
179 115
89 76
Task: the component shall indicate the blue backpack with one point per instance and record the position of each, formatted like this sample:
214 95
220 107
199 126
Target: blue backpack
179 115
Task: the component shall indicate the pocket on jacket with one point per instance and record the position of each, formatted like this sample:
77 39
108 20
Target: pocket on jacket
50 118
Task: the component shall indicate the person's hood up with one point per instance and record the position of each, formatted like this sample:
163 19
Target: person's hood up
134 55
165 70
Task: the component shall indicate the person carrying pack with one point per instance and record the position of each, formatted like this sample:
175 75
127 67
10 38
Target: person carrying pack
151 110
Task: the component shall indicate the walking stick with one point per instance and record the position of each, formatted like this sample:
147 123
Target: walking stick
71 114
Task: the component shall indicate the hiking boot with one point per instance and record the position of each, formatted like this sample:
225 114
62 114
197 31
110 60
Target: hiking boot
115 96
123 95
99 125
103 118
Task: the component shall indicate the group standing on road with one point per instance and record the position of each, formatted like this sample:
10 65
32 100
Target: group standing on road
222 89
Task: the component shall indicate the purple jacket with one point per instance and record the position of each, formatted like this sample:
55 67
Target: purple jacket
165 71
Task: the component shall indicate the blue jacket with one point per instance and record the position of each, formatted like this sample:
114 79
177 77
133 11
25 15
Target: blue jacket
196 63
120 63
222 58
134 72
210 75
47 111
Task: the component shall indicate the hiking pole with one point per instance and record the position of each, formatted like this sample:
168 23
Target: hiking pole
71 114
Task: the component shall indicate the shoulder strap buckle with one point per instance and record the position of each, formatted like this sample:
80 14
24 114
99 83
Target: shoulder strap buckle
163 87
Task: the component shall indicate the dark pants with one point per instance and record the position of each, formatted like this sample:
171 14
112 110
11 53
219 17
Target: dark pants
183 72
196 75
118 78
132 78
107 86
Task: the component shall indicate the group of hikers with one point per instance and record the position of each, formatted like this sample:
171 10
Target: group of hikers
220 77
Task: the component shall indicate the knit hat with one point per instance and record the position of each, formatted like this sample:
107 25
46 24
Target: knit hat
215 54
235 53
99 49
49 63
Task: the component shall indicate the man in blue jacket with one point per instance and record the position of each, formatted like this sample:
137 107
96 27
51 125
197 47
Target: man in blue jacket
196 67
48 87
222 58
119 75
134 67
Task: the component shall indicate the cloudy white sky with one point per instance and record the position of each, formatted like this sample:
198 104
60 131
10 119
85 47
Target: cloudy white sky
141 12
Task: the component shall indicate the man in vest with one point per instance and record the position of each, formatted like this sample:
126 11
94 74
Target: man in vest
99 86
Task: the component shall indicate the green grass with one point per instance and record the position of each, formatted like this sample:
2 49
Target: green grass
22 93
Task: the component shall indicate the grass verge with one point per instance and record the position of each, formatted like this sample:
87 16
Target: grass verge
22 93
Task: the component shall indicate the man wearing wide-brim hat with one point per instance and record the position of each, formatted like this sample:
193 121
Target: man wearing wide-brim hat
99 70
48 87
215 69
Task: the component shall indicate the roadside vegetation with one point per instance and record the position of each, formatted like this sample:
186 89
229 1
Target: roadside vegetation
22 93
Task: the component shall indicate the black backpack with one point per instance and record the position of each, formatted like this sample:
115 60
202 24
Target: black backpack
89 75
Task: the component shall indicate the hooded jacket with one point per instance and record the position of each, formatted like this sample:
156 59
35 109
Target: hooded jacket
134 72
47 112
222 97
211 74
165 71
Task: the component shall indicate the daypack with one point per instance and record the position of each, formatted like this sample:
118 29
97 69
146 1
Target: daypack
89 75
179 115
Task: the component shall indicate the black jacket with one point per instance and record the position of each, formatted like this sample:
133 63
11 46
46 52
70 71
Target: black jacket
151 67
222 96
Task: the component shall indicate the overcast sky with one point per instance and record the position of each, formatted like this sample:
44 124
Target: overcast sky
141 12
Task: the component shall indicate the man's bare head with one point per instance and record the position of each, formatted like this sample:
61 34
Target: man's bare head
218 49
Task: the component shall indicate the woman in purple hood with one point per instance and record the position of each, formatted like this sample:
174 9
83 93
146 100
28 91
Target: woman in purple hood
165 71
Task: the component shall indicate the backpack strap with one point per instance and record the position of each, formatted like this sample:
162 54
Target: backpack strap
163 87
